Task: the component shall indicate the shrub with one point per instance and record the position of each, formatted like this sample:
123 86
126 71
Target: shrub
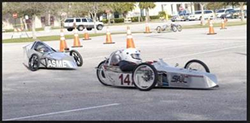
154 17
105 20
119 20
162 14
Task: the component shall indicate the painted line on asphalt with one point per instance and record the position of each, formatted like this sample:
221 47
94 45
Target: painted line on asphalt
206 52
61 112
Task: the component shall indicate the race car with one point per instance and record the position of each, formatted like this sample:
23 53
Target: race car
150 74
38 54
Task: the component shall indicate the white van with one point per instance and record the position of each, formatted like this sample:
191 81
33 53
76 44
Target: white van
197 15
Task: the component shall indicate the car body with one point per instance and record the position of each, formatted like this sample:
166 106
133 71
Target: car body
220 12
38 54
81 23
228 13
197 15
182 16
154 74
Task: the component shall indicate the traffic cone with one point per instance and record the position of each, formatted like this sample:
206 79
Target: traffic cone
147 30
130 41
108 37
63 43
86 35
76 39
211 28
223 24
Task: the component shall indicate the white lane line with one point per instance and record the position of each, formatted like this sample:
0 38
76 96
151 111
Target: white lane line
60 112
206 52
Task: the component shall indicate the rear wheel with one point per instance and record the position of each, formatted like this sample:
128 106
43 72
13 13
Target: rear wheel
100 73
80 28
99 27
144 77
158 29
197 65
70 29
34 62
77 57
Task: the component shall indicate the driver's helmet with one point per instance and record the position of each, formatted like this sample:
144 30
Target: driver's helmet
131 55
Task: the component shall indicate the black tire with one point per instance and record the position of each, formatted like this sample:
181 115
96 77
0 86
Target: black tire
100 74
189 63
174 28
89 29
80 28
77 57
99 27
146 78
179 28
34 62
70 29
158 29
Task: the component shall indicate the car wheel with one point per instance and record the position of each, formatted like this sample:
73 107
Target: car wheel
99 27
80 28
100 73
77 57
34 62
197 65
144 77
158 29
70 29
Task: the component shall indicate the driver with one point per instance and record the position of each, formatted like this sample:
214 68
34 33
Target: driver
130 58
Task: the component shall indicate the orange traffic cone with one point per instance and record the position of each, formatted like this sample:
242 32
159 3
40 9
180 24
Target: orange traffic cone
130 41
108 37
63 44
86 35
147 30
76 39
223 24
211 28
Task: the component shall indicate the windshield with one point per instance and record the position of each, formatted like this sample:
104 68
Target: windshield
198 12
220 11
69 20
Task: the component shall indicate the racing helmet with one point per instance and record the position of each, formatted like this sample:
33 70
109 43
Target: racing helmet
131 55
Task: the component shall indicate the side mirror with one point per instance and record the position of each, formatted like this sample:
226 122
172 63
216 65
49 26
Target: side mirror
176 64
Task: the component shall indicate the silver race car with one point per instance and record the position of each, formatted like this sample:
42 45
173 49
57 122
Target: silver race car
147 75
38 54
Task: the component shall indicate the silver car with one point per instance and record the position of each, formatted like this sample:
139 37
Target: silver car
38 54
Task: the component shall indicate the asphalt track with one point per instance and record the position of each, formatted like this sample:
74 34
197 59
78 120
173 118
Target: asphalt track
77 94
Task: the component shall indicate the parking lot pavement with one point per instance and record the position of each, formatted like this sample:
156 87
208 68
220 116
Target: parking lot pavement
114 28
78 95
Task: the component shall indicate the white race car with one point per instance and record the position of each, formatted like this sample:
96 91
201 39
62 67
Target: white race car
151 74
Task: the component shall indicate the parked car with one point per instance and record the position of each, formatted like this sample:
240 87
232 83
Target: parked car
182 16
228 13
197 15
81 23
220 12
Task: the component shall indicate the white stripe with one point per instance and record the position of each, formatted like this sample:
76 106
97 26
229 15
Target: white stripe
60 112
205 52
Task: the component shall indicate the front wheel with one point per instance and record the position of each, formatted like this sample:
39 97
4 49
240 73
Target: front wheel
144 77
99 27
77 57
100 73
197 65
179 28
34 62
174 28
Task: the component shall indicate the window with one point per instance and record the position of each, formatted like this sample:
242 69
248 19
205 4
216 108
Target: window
84 20
207 12
198 12
69 20
78 20
90 20
220 11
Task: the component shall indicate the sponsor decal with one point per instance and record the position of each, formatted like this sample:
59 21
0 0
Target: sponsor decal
56 63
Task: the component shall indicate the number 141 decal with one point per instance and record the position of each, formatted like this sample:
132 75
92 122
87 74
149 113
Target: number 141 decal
126 80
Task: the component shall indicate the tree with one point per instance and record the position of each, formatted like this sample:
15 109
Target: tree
202 5
147 6
122 7
215 6
27 8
